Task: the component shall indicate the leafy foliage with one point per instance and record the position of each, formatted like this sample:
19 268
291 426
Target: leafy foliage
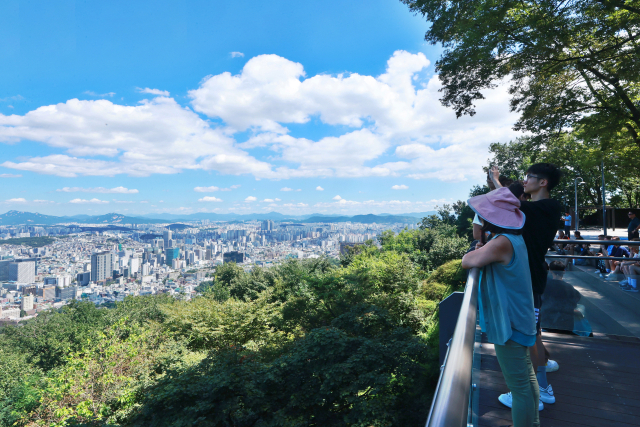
304 343
571 63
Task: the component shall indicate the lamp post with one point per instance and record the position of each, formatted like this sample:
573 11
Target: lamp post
575 181
604 202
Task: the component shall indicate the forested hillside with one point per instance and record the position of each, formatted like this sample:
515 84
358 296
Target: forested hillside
306 343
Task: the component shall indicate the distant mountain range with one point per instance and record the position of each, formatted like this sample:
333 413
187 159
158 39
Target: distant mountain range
33 218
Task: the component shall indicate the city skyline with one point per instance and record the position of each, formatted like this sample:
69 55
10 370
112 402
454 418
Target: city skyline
298 109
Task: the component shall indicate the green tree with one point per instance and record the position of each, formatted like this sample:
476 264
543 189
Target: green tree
570 62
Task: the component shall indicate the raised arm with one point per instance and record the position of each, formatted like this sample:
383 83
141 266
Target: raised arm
495 176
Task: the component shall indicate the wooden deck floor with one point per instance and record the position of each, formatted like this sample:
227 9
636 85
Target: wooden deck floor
598 383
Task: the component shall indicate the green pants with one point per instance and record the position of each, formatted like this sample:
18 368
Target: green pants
520 377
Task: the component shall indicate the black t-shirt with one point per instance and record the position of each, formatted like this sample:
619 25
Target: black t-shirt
539 231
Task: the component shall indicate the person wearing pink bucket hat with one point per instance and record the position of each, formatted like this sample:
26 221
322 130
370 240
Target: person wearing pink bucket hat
505 299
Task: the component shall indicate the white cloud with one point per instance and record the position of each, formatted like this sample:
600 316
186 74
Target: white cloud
9 175
337 198
319 188
157 92
396 127
209 199
286 189
123 201
156 137
237 55
92 201
99 95
17 200
268 200
103 190
214 188
42 201
400 187
250 199
206 189
277 200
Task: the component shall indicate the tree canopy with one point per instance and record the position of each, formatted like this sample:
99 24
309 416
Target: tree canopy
570 62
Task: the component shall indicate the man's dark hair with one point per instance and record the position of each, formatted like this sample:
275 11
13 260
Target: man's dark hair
556 266
547 171
517 189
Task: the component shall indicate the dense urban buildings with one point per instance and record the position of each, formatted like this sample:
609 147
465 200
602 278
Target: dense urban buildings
104 266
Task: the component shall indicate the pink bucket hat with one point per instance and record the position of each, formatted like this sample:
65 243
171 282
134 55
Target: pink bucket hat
499 207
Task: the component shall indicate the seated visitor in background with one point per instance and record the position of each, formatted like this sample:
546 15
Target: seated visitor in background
505 300
604 251
629 269
618 251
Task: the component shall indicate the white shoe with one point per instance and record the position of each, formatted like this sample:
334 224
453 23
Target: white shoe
552 366
507 400
546 395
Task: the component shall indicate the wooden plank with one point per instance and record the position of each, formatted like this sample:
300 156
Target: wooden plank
490 399
608 402
548 418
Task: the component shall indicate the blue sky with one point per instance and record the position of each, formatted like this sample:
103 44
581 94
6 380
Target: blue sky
217 106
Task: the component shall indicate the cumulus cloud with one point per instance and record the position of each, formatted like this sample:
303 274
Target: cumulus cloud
399 187
156 137
9 175
209 199
237 55
268 200
42 201
286 189
17 200
318 188
337 198
389 125
157 92
214 188
92 201
250 199
99 95
116 190
206 189
277 200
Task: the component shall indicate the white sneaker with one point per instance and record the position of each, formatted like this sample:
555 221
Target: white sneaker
546 395
552 366
507 400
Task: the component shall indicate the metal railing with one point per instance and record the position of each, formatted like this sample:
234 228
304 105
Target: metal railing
594 242
450 406
451 403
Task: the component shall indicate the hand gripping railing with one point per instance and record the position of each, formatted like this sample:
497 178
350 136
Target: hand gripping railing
450 406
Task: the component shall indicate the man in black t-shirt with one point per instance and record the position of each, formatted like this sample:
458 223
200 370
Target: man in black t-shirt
542 216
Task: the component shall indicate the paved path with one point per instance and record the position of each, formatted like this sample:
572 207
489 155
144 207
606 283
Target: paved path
598 384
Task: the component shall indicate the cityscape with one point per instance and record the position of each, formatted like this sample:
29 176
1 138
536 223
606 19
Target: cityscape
106 266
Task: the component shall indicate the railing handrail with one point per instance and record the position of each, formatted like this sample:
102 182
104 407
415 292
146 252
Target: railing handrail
599 242
450 404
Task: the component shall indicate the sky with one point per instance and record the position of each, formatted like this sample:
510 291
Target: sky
215 106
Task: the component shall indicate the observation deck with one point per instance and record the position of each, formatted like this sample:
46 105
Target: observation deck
591 327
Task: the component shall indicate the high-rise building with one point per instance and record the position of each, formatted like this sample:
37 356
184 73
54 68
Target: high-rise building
84 278
22 272
166 237
235 256
69 292
267 225
27 302
101 266
171 254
